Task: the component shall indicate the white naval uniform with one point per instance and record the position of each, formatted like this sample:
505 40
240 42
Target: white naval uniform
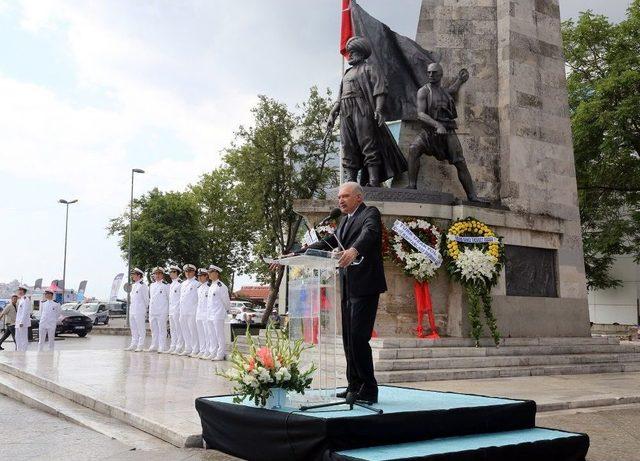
49 313
23 317
218 306
174 316
188 308
137 313
201 319
158 313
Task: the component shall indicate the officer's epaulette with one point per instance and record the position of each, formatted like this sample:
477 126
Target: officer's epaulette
179 280
209 283
219 283
164 282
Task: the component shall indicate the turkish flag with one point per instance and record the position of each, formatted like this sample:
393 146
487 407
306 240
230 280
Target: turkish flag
346 31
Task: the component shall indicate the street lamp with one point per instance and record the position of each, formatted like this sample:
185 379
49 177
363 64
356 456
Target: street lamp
133 172
66 228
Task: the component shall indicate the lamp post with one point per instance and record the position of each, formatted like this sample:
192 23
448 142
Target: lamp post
66 228
133 172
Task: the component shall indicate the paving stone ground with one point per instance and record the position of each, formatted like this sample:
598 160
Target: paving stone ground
29 434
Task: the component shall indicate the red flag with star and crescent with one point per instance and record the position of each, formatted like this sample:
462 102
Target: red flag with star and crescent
346 29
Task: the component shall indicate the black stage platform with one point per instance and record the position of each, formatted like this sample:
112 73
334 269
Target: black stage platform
416 424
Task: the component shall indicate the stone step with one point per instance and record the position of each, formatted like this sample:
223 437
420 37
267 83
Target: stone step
483 373
436 352
501 362
384 343
41 399
131 419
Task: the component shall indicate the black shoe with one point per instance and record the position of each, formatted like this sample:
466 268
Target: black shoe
367 398
368 395
1 348
342 395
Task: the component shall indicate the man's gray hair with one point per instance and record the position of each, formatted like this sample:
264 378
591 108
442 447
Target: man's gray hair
355 187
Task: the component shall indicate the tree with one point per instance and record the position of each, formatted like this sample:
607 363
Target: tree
604 99
224 215
167 229
280 158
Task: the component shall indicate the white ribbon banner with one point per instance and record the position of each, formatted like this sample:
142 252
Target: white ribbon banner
460 239
403 231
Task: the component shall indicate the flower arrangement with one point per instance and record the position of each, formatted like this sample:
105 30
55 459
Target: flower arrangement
414 262
267 367
414 246
326 230
474 256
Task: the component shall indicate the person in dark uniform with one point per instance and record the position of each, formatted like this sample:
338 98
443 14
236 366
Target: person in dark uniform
359 235
437 111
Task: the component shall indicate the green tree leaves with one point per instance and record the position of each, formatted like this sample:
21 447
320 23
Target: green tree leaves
604 98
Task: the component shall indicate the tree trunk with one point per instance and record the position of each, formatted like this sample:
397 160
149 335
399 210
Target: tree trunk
273 294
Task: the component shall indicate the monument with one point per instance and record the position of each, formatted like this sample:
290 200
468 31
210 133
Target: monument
513 127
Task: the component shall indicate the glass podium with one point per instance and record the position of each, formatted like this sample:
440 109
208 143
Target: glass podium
313 301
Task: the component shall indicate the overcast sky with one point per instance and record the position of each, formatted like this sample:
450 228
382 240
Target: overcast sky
91 89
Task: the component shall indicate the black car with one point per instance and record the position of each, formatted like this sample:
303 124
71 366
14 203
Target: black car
74 322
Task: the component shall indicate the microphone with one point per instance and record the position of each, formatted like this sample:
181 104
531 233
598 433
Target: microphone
335 213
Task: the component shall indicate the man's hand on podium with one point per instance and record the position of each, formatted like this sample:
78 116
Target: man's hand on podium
347 257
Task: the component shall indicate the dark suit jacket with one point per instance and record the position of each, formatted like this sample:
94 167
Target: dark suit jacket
364 233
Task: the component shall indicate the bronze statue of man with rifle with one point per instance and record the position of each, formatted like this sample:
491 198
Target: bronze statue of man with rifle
367 143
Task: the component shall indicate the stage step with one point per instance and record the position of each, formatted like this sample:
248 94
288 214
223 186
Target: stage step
384 342
522 445
41 399
502 361
417 375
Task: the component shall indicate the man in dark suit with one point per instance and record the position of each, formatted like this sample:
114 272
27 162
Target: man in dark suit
359 237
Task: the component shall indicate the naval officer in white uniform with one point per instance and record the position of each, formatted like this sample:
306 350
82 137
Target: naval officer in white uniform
174 311
49 313
138 311
23 319
218 306
158 311
188 308
201 315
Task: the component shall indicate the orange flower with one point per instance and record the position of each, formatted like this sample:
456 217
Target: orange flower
265 356
252 364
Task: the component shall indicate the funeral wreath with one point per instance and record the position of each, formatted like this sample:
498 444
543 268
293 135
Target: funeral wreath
474 256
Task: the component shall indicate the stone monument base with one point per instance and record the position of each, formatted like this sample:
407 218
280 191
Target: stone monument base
535 296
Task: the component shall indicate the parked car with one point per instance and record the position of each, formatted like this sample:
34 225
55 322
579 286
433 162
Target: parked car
70 306
70 321
97 312
237 306
117 307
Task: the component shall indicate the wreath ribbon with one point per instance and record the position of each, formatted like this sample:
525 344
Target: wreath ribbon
424 306
403 230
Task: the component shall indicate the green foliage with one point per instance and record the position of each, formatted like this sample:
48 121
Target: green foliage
223 221
279 158
166 230
604 99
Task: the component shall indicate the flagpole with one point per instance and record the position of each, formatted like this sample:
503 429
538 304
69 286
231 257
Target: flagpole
341 169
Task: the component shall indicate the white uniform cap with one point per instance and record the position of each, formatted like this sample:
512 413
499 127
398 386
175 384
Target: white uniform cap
188 267
23 287
213 267
175 268
48 291
158 269
137 271
202 271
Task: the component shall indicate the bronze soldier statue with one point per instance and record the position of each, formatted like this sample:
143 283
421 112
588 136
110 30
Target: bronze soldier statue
367 143
437 112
